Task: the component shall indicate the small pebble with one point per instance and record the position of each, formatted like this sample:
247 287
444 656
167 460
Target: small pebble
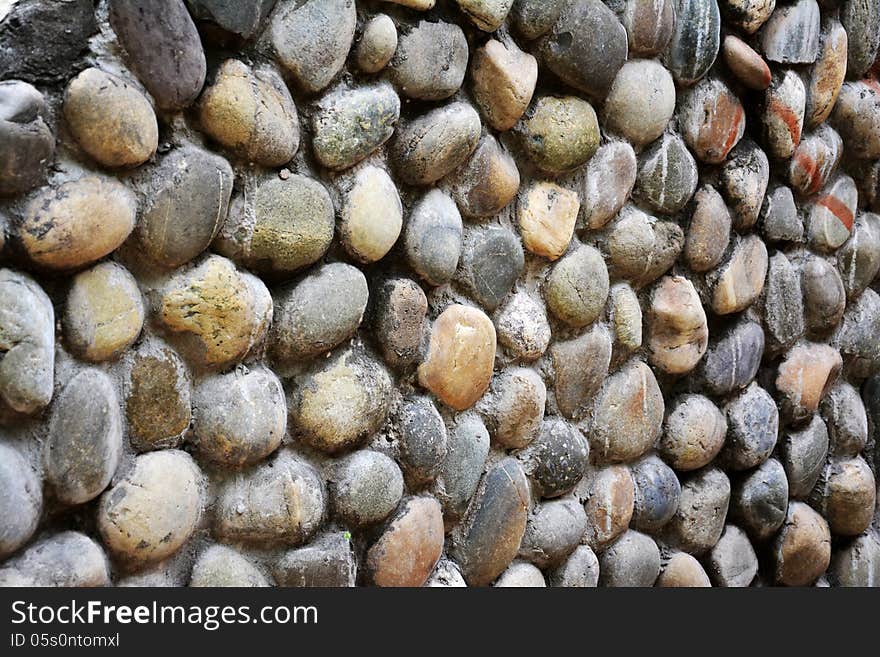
487 182
577 287
410 547
640 102
667 177
492 260
732 562
693 434
677 330
422 440
504 79
759 499
557 459
632 561
430 61
712 119
377 44
559 133
802 549
522 326
607 183
433 238
364 488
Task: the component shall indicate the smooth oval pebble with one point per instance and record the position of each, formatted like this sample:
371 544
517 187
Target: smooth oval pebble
712 119
399 308
365 487
846 495
783 114
185 205
65 559
607 182
667 177
699 520
377 44
514 407
732 562
708 233
77 223
239 418
683 571
461 354
693 434
487 182
467 445
522 326
21 501
832 214
165 54
559 133
222 566
802 549
312 39
349 124
553 532
489 537
421 440
557 459
491 261
154 509
752 427
649 25
628 414
27 331
372 215
580 365
609 498
738 282
657 493
504 79
640 102
577 287
433 237
759 499
104 313
695 41
436 143
803 453
317 313
572 51
111 120
341 401
747 65
733 358
856 116
280 502
634 560
546 214
805 376
406 553
430 60
228 113
791 35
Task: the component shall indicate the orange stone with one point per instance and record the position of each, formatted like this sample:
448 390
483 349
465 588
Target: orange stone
803 547
410 547
547 214
460 357
806 375
677 324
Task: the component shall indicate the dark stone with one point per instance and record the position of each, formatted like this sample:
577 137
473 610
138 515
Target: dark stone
328 561
554 530
489 537
467 446
759 499
42 41
657 493
27 144
186 198
398 312
668 176
430 61
586 47
422 440
164 48
779 220
732 360
803 455
241 17
557 459
752 425
433 238
491 262
695 41
534 18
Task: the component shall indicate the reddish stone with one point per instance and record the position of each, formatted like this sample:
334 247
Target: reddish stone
410 547
814 160
712 120
746 64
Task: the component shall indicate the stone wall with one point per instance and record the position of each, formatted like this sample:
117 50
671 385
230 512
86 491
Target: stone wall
523 292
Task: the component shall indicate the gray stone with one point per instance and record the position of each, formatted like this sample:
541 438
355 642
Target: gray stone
580 366
633 561
521 575
430 61
858 563
824 295
522 326
752 425
695 41
607 183
364 487
27 338
467 446
743 182
186 198
577 287
277 503
21 500
67 559
328 561
349 124
759 499
163 47
553 531
221 566
318 313
492 260
803 455
779 220
433 238
581 570
422 440
514 407
399 310
846 420
667 177
240 17
783 303
84 444
657 494
489 537
434 144
312 38
861 19
557 459
699 520
732 561
534 18
27 144
791 35
640 248
858 260
733 358
240 417
857 336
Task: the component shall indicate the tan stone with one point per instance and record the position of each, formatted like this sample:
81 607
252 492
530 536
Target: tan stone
547 214
110 119
461 355
802 549
504 80
740 281
251 114
609 506
487 182
806 375
372 216
104 312
77 222
222 312
683 570
848 495
677 326
626 314
408 550
745 63
419 5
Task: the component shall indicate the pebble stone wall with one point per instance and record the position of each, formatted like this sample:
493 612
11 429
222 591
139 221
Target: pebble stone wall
474 292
